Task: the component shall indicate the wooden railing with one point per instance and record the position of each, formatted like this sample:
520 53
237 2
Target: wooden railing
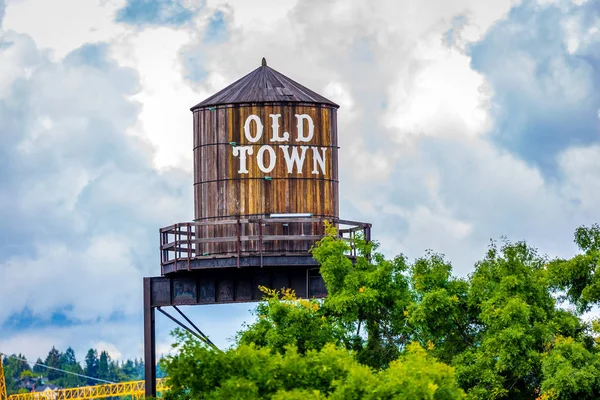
187 241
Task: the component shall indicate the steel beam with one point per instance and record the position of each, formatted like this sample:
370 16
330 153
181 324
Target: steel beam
149 341
219 286
233 285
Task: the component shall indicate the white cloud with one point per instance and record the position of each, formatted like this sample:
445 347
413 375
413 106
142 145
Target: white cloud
445 92
18 58
165 119
105 263
80 201
110 348
582 183
64 25
260 14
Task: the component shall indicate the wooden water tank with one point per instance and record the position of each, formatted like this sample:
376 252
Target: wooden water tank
264 146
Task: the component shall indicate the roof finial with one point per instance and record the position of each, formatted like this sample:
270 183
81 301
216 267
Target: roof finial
264 62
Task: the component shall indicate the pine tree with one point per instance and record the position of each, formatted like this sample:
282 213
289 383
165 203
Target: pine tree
14 366
38 370
54 360
128 370
91 365
68 358
69 362
114 372
103 372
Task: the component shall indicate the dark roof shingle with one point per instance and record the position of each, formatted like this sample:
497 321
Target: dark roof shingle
264 85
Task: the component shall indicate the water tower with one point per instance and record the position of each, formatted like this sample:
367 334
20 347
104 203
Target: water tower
265 182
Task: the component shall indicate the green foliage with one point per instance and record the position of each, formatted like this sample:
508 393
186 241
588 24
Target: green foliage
13 369
439 315
37 368
103 368
284 320
394 329
91 365
250 372
371 294
579 277
515 310
571 371
27 374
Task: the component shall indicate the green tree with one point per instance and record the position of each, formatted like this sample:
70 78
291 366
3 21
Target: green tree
579 277
284 320
128 370
70 364
440 316
54 360
367 297
91 365
518 321
249 372
14 366
103 366
38 370
68 358
139 367
571 371
27 374
353 344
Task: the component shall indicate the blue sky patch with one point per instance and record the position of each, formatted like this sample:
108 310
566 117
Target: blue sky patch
453 34
152 12
2 10
192 62
26 320
545 97
5 44
91 54
216 31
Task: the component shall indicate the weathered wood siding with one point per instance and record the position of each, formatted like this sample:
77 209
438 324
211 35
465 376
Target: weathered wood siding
222 192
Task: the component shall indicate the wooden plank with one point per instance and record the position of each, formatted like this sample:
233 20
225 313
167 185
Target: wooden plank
222 222
291 219
248 238
216 239
302 238
182 233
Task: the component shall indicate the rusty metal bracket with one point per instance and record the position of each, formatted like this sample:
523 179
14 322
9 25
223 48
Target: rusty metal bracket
197 334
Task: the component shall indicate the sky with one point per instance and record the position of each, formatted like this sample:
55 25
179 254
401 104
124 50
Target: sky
461 121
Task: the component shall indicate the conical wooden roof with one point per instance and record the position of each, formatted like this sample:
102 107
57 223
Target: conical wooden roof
264 85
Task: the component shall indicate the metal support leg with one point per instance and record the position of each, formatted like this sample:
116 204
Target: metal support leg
149 341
